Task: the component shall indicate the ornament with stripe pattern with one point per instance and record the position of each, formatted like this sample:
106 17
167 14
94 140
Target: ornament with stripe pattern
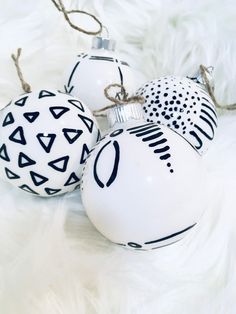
136 185
45 137
184 105
92 71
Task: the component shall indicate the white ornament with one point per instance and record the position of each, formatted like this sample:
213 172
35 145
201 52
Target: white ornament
45 137
94 70
182 105
143 186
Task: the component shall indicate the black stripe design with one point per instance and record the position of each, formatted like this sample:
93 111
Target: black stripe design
100 58
115 167
124 63
171 235
72 73
209 116
121 75
193 133
149 132
209 137
210 108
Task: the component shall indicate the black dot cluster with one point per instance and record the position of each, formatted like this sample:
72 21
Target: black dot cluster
172 101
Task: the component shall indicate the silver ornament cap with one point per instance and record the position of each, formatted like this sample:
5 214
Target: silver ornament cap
122 113
197 78
103 43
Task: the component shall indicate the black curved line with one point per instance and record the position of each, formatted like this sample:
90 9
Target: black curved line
152 137
206 99
202 131
208 107
171 235
143 129
148 132
72 73
121 76
99 182
162 150
164 157
162 141
159 247
206 113
116 163
140 126
193 133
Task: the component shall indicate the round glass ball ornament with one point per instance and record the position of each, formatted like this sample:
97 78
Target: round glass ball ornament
45 137
143 186
183 105
92 71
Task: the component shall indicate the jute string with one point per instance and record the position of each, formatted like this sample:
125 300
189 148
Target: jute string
121 97
204 71
60 7
25 86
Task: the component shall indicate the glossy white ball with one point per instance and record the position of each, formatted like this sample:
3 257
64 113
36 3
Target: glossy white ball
143 186
182 105
45 137
92 72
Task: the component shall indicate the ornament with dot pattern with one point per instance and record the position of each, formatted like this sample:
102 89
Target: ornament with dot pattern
182 105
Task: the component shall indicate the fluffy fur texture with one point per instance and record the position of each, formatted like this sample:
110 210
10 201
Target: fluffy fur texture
52 260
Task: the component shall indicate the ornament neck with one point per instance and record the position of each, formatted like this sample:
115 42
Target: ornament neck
103 43
197 78
124 113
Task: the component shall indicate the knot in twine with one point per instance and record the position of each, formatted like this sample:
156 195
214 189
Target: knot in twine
121 98
60 7
204 71
25 86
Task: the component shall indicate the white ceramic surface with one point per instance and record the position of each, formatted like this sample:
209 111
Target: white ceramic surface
45 137
93 71
143 186
182 105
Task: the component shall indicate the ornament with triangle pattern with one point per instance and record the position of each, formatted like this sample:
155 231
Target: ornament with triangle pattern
31 116
9 119
45 93
21 102
71 134
37 178
46 141
3 153
50 191
87 121
25 161
26 188
11 175
18 136
77 104
72 179
59 164
58 111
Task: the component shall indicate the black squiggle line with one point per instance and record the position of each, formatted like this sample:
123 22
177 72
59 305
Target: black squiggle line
212 110
209 116
162 141
152 137
162 150
121 76
72 73
194 134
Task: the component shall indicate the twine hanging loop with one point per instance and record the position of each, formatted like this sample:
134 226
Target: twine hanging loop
25 86
60 7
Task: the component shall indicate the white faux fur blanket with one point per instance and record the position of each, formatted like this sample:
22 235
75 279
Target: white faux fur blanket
52 260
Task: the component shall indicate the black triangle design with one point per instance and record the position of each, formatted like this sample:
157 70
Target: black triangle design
45 93
11 175
21 102
72 179
72 134
84 155
25 161
3 153
31 116
58 111
50 191
46 141
77 104
59 164
8 119
88 122
38 179
26 188
17 136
